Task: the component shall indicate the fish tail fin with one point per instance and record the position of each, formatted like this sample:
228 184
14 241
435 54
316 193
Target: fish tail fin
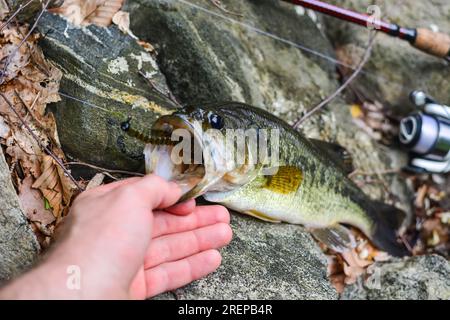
388 220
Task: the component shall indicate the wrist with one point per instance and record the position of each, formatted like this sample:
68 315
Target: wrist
49 280
62 277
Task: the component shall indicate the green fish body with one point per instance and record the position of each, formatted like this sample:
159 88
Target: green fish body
307 186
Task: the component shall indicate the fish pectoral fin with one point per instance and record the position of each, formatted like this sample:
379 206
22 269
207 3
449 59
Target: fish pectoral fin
336 237
261 216
337 153
284 180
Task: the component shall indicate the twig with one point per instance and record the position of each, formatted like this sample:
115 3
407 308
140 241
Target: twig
10 56
110 175
49 152
79 163
20 8
30 109
342 87
406 243
93 11
30 112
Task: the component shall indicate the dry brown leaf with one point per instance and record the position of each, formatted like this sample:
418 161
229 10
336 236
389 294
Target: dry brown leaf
44 234
13 58
31 82
147 46
22 147
338 282
50 186
68 187
29 87
84 12
434 232
420 197
354 266
335 272
122 20
33 203
96 181
54 185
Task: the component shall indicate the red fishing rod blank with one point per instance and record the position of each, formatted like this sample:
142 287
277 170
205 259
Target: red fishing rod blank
434 43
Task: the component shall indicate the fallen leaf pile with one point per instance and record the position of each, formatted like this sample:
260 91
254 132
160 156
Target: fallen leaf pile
29 83
430 230
85 12
346 267
371 118
99 12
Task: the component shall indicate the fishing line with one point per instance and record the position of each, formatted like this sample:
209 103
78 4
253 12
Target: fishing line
86 103
154 137
291 43
268 34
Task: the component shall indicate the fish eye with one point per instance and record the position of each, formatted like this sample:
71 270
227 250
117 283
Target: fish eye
216 121
125 126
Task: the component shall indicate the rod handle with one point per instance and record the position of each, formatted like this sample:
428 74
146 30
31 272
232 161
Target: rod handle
434 43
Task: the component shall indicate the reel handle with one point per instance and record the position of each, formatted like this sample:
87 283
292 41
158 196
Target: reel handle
434 43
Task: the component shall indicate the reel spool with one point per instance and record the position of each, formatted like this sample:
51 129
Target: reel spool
427 135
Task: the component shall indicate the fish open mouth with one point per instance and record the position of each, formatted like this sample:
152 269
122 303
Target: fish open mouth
197 160
179 154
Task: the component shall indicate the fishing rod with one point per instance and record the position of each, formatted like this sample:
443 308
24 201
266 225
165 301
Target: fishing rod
433 43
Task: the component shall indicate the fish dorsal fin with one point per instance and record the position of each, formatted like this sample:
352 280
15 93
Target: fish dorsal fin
337 153
337 237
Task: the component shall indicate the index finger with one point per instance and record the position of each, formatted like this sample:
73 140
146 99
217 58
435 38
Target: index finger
183 208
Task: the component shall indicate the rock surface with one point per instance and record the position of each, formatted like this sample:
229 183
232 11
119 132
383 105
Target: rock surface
100 72
209 56
417 278
18 244
265 261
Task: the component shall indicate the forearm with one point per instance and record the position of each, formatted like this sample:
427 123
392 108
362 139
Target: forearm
47 281
58 277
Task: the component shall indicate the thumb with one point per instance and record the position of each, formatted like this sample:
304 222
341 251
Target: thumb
161 193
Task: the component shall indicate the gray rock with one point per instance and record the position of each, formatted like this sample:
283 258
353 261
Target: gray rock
396 68
265 261
18 244
416 278
100 70
208 56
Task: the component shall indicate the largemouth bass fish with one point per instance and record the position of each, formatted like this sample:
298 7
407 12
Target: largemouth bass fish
306 184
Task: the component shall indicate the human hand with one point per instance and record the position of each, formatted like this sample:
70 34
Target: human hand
126 246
